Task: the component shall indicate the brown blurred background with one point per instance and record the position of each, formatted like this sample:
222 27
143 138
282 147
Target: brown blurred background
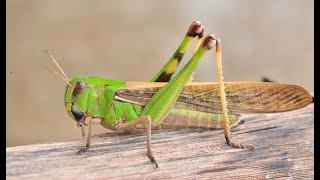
131 40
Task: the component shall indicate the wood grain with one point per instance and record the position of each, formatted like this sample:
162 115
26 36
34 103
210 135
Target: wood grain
284 145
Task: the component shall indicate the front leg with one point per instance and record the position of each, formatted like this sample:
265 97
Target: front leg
91 122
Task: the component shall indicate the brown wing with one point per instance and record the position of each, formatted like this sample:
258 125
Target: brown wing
242 97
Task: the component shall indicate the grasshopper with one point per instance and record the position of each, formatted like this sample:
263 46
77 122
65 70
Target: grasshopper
174 101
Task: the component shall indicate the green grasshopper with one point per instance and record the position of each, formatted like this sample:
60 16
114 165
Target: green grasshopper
176 102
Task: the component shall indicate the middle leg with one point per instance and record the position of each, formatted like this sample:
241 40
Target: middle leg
141 120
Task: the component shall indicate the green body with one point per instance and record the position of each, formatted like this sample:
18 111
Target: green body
98 101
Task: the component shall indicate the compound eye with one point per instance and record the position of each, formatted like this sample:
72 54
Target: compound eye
77 114
79 87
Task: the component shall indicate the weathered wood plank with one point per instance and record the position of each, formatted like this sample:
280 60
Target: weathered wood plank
284 145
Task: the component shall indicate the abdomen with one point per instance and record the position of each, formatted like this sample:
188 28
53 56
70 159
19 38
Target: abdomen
182 118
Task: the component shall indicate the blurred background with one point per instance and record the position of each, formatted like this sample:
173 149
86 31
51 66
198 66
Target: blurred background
131 40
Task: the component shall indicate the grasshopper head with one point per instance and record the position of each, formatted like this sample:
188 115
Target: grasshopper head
76 97
89 96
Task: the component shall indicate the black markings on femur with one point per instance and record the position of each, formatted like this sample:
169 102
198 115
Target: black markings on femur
80 86
77 114
164 77
177 55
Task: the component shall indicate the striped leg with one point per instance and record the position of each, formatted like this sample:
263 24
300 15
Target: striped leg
166 72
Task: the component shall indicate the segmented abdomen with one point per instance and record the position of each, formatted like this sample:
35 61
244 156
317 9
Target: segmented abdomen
181 118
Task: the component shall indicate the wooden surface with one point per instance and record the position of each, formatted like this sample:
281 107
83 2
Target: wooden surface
284 145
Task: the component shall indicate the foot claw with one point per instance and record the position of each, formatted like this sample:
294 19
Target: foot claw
241 122
153 160
82 150
249 146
